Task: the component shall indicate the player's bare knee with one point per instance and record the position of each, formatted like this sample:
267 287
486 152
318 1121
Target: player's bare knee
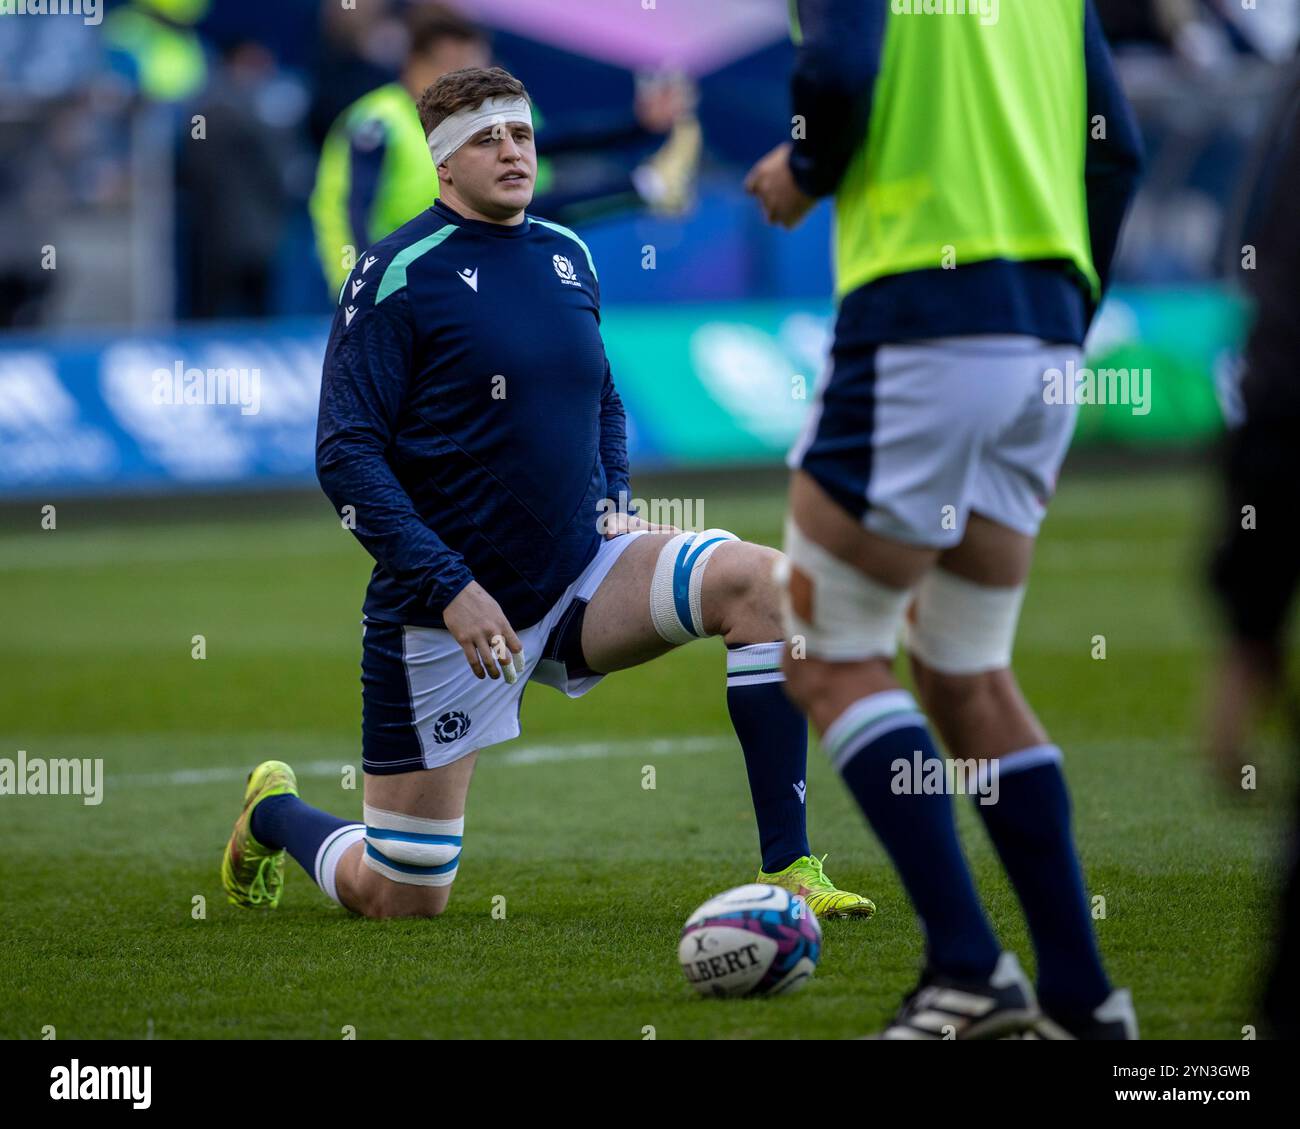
727 585
741 597
823 690
391 899
966 704
768 566
809 683
799 679
384 898
946 691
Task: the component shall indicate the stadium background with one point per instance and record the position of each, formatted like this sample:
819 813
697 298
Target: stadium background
174 523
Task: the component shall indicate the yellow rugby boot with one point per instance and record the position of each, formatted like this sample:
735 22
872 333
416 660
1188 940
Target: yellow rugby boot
253 875
806 877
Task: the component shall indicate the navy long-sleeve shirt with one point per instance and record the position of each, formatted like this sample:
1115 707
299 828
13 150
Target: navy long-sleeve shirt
836 68
468 417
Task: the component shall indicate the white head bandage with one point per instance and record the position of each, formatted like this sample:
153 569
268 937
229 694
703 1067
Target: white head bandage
455 129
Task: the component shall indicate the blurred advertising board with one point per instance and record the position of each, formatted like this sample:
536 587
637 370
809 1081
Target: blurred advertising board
233 406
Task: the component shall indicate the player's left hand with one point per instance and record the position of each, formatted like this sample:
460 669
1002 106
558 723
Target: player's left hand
617 524
772 182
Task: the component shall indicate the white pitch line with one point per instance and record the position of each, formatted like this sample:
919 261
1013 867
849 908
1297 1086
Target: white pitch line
526 755
224 775
693 745
597 750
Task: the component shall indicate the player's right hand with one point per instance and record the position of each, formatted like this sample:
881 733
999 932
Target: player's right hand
478 624
771 181
616 524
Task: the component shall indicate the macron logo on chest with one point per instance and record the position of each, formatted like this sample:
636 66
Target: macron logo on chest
469 278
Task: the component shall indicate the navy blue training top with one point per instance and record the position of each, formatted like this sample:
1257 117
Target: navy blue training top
468 416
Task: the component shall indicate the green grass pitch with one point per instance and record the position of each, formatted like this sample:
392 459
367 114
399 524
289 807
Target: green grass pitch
597 873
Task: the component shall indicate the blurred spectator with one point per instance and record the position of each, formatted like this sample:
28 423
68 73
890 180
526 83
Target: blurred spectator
26 213
1257 568
1184 27
153 43
1150 23
99 107
1270 31
375 170
376 173
42 58
233 191
359 49
1204 33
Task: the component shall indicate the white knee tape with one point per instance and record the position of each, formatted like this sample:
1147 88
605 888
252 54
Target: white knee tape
675 591
961 627
853 617
417 852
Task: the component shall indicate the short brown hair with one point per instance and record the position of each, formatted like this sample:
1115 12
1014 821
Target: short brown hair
465 89
430 24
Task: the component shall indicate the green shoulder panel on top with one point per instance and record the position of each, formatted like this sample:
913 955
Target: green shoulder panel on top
574 236
395 275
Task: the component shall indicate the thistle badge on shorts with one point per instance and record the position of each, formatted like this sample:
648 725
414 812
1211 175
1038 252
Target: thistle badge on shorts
451 726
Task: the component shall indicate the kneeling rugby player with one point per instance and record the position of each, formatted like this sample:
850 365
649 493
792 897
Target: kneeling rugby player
470 426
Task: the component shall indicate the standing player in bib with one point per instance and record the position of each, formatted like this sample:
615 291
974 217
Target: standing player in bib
471 435
980 184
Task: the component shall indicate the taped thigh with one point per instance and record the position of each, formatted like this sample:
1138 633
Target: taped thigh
841 614
677 587
960 627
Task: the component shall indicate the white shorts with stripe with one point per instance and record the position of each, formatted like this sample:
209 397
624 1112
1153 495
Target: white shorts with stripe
911 439
422 705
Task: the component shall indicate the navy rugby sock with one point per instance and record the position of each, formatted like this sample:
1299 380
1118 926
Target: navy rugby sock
866 744
316 839
774 737
1030 826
